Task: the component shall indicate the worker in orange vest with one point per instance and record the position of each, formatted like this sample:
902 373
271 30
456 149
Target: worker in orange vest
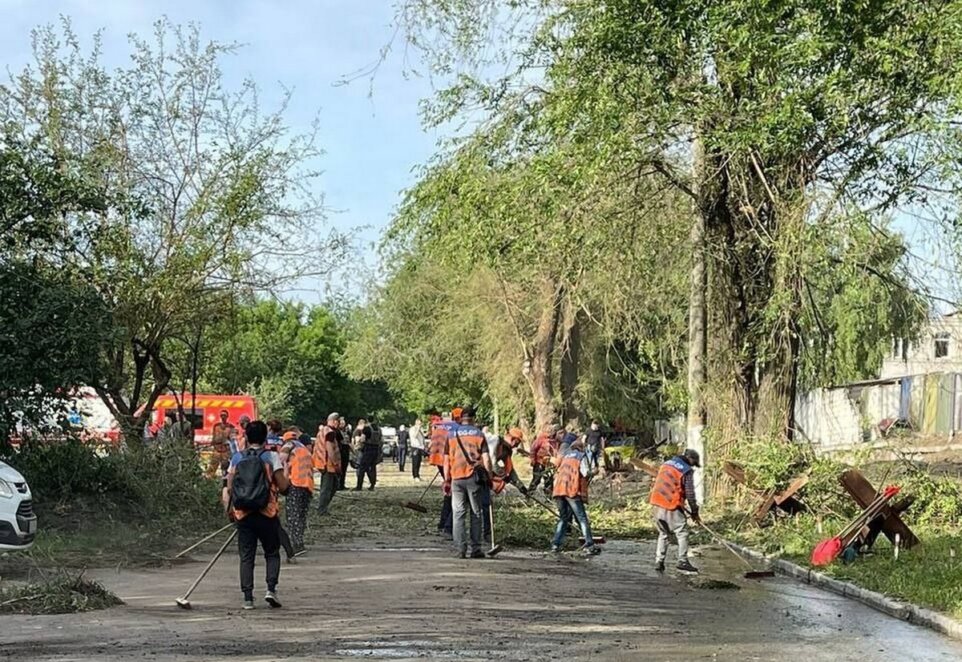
298 466
674 485
503 472
570 491
327 460
542 450
465 454
436 450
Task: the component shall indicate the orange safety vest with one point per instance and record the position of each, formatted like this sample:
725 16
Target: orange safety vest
439 441
473 441
499 482
568 481
300 467
327 452
668 491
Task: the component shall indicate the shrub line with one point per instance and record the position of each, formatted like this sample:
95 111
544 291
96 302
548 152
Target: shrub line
904 611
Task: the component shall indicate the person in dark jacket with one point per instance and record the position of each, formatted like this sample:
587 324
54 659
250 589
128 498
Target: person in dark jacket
368 451
402 447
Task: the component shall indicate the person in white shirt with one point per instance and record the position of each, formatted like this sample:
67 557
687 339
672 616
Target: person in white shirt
418 448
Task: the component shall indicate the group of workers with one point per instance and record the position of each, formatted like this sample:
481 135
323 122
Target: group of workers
263 460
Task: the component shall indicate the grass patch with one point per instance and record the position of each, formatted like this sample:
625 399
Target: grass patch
929 575
62 595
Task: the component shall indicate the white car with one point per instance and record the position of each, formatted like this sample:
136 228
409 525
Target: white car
18 524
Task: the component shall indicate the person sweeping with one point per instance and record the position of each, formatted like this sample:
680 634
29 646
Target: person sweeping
675 485
570 491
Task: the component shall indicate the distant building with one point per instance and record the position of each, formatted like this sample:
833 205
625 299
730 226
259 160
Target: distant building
919 390
938 349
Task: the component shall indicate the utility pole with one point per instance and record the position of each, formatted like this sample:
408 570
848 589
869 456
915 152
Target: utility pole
697 323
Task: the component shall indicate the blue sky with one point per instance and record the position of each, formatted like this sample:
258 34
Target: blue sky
372 141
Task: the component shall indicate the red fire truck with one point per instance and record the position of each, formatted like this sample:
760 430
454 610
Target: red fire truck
204 412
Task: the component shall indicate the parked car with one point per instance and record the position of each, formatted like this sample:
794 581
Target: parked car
18 524
620 450
388 441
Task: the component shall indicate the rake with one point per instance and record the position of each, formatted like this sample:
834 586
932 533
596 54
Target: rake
416 505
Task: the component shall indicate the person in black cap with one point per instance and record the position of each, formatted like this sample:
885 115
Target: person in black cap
674 486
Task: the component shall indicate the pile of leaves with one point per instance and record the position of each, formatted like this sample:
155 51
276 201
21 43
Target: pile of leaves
61 595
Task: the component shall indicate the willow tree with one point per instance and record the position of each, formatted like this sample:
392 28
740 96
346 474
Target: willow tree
777 120
548 244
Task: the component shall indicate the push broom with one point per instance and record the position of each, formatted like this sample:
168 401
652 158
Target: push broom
416 505
184 601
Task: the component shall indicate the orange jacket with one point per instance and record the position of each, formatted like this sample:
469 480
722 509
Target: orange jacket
300 467
668 491
327 451
568 481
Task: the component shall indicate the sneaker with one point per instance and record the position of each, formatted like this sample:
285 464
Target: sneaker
248 605
356 489
271 599
477 554
686 568
370 489
291 560
462 555
594 550
555 549
660 566
418 480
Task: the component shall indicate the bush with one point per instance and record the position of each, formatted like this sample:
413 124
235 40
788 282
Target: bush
161 482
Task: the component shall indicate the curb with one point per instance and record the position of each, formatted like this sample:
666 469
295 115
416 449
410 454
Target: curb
903 611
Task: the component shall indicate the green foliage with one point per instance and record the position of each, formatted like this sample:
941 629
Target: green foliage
289 356
201 184
61 595
164 484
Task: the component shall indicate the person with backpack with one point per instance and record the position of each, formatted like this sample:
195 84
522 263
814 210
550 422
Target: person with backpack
254 479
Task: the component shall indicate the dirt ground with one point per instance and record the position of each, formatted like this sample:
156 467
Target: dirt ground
376 591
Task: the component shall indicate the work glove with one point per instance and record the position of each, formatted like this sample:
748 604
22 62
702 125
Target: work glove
695 516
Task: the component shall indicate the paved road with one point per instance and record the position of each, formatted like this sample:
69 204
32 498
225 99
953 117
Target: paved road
404 599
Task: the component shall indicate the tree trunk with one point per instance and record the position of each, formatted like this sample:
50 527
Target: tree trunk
570 366
697 323
537 369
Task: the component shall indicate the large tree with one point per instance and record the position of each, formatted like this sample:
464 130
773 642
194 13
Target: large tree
220 193
778 120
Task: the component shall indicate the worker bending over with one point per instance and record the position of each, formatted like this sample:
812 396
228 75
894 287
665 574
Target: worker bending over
674 485
570 492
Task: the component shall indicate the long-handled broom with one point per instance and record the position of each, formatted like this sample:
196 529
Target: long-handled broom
495 549
202 541
416 505
597 540
752 572
184 601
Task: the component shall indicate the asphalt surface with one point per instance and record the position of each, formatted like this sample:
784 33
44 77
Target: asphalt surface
400 597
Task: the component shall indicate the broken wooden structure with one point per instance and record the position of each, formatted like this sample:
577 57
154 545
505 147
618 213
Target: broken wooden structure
862 492
769 500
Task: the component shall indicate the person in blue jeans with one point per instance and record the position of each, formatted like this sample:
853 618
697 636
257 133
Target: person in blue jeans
570 492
